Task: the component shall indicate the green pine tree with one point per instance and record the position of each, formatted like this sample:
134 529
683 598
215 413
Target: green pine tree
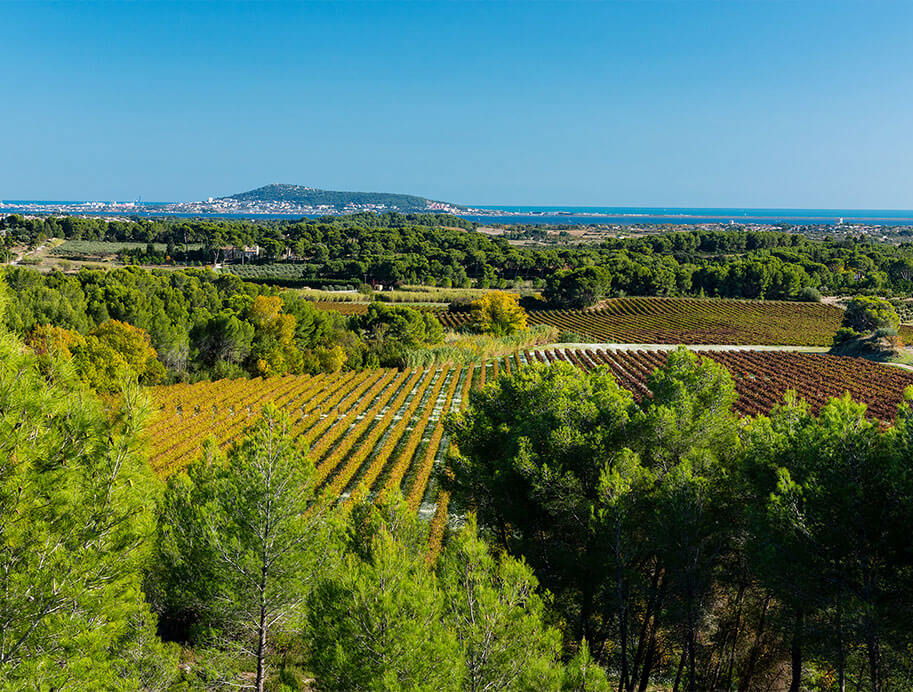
76 513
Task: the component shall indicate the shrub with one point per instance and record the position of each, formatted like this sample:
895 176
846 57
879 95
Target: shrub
808 294
568 337
845 334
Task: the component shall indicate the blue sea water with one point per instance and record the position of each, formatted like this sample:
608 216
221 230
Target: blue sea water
694 215
584 215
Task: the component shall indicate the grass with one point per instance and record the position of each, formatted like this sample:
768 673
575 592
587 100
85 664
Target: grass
319 296
466 349
429 295
433 294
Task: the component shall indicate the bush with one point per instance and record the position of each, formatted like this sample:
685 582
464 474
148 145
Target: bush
568 337
884 332
808 294
845 334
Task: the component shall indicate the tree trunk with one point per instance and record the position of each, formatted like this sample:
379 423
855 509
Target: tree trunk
841 651
873 655
748 674
648 663
796 654
261 652
735 636
678 672
622 611
650 616
692 673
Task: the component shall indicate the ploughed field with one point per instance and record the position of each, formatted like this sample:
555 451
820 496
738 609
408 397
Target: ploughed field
381 430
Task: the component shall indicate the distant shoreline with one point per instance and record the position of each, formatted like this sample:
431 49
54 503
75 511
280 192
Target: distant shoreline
494 215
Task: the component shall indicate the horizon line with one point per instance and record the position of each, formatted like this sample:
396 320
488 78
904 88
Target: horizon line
495 206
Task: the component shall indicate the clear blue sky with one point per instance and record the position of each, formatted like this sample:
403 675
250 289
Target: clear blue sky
730 103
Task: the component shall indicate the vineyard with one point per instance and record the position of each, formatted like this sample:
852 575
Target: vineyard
382 430
343 308
96 248
379 430
678 321
761 378
283 272
692 321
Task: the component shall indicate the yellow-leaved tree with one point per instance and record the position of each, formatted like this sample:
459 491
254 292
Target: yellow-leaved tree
273 351
112 351
499 313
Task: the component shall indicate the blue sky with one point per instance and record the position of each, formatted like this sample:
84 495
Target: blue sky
729 103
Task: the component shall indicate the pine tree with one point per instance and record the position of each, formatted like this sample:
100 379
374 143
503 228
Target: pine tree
240 538
76 513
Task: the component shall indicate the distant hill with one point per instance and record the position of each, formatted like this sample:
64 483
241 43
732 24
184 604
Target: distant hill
311 196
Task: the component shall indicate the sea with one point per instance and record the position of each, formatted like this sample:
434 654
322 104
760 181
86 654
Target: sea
553 215
693 215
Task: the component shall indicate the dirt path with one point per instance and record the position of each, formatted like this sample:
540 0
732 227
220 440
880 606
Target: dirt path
691 347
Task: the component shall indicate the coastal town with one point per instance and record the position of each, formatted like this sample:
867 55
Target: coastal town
216 206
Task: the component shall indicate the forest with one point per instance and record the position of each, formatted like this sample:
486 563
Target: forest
437 249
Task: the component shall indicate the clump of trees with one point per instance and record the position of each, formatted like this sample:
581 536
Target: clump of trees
866 314
578 288
110 353
77 514
869 328
187 325
255 571
390 332
692 550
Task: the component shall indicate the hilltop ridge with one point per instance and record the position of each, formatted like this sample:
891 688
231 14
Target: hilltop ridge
313 197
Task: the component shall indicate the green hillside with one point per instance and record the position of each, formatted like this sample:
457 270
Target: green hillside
300 194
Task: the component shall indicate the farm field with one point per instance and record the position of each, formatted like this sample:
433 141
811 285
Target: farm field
378 430
352 308
691 321
97 248
694 321
381 430
343 308
761 378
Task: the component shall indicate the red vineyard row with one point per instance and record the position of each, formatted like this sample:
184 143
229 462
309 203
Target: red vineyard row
762 378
